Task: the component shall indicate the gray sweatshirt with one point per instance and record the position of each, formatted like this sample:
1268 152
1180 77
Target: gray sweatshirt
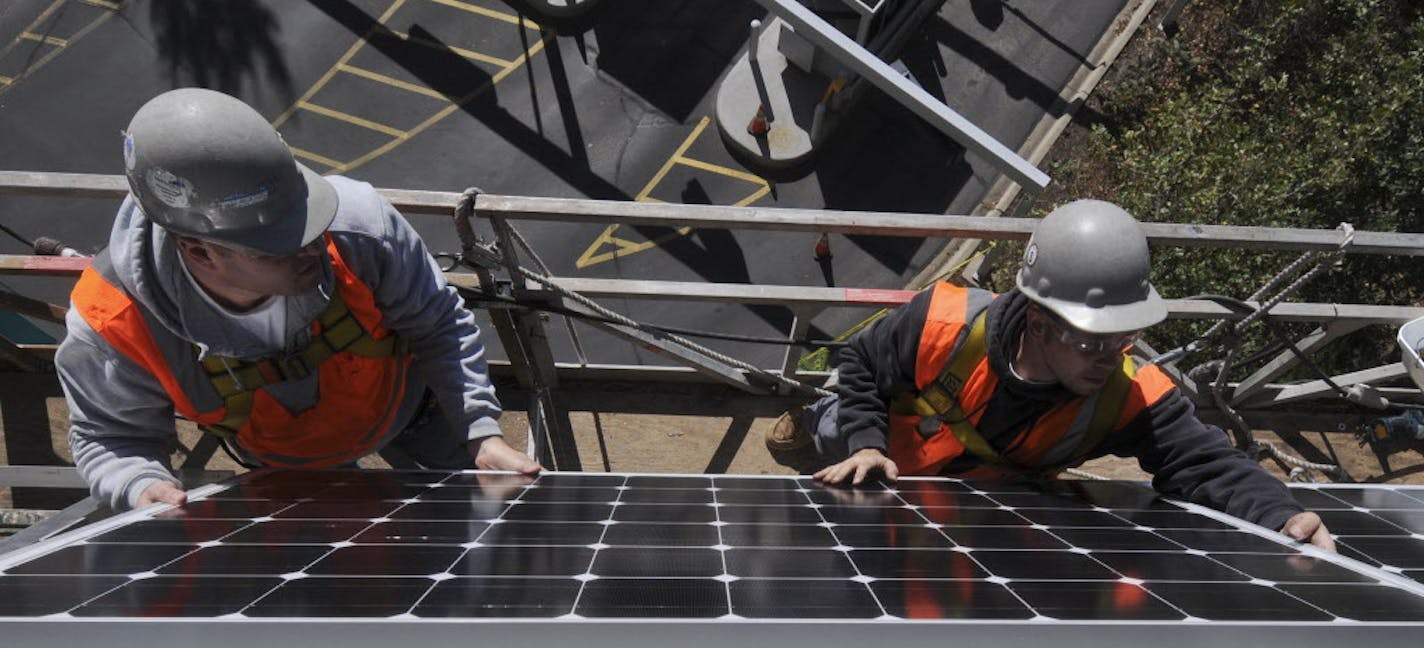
122 421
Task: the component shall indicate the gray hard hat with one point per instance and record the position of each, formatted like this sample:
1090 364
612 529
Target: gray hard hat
1087 262
201 163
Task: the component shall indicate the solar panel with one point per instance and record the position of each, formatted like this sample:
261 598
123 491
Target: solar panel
1381 527
368 557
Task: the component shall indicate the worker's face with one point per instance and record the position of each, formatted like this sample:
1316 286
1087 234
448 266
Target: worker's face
265 275
291 274
1081 361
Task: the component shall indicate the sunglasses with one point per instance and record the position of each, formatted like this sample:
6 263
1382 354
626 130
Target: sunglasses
1088 344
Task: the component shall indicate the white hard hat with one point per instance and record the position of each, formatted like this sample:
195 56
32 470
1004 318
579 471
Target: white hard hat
204 164
1087 262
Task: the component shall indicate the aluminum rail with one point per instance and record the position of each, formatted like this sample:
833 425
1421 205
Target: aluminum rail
516 208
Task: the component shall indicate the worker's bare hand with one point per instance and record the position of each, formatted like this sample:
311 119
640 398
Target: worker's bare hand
165 492
1308 527
495 454
863 463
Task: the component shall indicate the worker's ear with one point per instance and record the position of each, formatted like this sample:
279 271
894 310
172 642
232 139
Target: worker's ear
196 252
1037 325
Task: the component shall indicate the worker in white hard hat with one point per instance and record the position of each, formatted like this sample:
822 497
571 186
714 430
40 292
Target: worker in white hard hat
297 317
966 383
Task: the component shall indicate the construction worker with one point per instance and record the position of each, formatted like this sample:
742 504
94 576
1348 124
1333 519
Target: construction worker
967 383
299 318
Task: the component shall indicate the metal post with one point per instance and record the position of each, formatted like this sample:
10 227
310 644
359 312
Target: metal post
562 450
752 41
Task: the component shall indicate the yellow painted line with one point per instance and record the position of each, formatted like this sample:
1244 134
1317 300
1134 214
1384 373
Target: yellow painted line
325 78
755 195
48 40
721 170
44 15
390 81
308 155
624 246
436 45
444 112
672 160
497 15
352 119
104 4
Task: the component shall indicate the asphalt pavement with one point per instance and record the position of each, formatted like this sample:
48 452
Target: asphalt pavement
445 94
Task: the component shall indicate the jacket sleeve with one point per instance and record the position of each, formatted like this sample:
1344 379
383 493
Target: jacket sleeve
121 425
1196 462
877 365
416 301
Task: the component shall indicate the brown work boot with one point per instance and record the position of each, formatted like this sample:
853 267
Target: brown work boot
791 445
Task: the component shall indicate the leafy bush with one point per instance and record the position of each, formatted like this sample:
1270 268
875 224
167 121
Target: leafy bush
1275 113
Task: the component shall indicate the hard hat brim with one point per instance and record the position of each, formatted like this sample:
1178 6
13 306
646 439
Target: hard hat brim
321 205
292 233
1110 318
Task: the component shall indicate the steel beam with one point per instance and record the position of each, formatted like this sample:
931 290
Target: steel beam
1287 360
1318 388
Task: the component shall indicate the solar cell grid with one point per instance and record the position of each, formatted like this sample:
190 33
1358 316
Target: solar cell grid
1381 527
412 545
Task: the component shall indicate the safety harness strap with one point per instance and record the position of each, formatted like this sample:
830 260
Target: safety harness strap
335 331
940 399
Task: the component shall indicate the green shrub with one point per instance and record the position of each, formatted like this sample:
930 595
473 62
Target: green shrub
1268 113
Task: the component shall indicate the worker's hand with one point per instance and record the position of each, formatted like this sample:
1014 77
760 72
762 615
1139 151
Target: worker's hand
165 492
861 464
1308 527
495 454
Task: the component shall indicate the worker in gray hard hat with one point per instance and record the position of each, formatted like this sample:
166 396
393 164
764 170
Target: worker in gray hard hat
297 317
966 383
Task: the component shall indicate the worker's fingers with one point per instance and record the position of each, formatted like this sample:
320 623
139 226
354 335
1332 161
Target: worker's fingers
1321 538
495 454
892 472
1308 527
839 472
162 492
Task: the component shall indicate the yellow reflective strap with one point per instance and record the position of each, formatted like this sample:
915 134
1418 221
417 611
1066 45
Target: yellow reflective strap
940 398
342 333
968 355
1107 409
235 380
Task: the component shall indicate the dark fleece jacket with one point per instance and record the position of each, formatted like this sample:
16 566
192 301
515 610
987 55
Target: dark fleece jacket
1188 459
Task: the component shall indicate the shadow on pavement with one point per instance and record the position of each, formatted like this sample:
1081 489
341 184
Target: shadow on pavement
671 52
219 45
884 158
465 84
1018 83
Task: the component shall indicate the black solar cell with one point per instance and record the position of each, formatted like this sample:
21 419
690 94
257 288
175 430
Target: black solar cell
412 545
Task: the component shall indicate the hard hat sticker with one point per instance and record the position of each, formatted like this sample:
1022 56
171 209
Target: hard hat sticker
1031 254
238 201
128 152
170 189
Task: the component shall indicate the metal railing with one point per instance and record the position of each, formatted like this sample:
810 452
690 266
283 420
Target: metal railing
501 270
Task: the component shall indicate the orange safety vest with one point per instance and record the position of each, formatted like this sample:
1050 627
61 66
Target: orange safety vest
361 366
954 384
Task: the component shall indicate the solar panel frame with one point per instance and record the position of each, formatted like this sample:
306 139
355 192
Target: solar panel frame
848 575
